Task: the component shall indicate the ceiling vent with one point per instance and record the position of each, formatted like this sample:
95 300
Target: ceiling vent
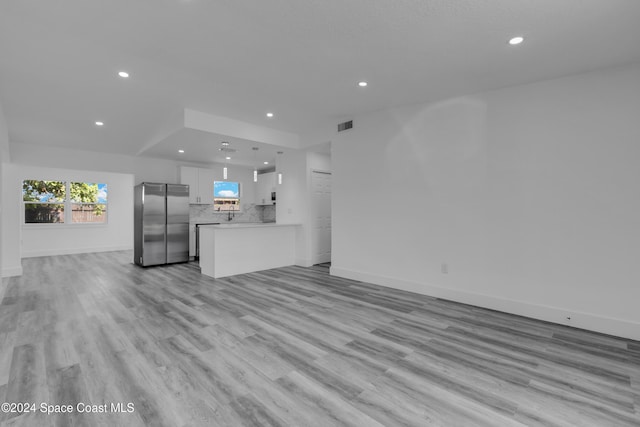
227 150
345 126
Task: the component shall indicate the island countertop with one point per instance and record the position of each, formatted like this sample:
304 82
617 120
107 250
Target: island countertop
246 225
236 248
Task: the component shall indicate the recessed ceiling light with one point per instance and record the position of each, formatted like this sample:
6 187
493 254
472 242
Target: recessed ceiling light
99 124
180 151
266 163
362 84
123 74
269 115
225 143
516 40
228 158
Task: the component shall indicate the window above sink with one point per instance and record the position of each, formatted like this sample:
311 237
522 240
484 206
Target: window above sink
226 196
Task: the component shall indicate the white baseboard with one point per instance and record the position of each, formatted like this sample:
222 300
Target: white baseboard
590 321
12 271
303 262
72 251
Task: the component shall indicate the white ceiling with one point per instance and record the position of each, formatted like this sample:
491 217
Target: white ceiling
199 145
301 60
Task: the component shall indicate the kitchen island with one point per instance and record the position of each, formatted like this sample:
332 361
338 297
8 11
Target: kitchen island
228 249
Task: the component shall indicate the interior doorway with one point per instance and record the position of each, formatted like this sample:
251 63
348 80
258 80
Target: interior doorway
321 217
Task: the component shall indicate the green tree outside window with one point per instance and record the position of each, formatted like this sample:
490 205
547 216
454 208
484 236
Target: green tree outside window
49 198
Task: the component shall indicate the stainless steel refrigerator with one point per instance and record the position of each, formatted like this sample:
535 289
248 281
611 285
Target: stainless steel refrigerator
161 224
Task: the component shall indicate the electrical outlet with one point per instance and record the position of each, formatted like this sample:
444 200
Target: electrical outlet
444 268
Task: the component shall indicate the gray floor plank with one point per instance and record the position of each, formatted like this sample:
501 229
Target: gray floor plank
291 346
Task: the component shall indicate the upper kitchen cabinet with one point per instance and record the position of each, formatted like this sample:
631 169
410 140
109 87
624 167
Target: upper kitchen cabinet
200 182
189 176
266 189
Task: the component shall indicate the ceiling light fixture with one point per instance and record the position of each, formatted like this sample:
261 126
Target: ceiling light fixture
99 124
269 115
123 74
180 151
255 169
516 40
362 84
279 173
224 169
266 163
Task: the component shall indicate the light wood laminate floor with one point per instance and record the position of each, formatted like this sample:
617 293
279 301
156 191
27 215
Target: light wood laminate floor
292 347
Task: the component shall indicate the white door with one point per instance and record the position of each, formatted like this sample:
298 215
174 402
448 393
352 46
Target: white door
321 217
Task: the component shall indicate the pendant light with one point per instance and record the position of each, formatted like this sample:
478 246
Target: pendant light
224 169
255 168
279 173
224 148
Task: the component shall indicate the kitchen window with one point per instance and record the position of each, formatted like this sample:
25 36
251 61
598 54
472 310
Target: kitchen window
226 196
49 202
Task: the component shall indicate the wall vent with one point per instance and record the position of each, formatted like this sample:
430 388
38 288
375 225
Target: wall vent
345 125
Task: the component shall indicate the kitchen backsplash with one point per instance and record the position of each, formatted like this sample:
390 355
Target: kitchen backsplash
268 213
249 212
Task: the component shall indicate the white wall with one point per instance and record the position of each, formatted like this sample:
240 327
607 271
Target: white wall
58 239
529 195
156 170
4 137
319 162
294 196
71 163
1 239
11 264
291 197
4 158
144 169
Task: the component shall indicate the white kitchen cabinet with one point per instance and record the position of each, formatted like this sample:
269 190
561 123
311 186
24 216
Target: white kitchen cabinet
205 185
265 186
200 182
189 176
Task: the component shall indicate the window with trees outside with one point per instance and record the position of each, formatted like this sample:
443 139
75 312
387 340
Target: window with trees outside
49 202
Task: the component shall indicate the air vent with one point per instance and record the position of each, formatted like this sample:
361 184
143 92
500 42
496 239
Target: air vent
345 126
227 150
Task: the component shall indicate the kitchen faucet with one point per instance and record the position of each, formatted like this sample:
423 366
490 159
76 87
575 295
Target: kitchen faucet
229 217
